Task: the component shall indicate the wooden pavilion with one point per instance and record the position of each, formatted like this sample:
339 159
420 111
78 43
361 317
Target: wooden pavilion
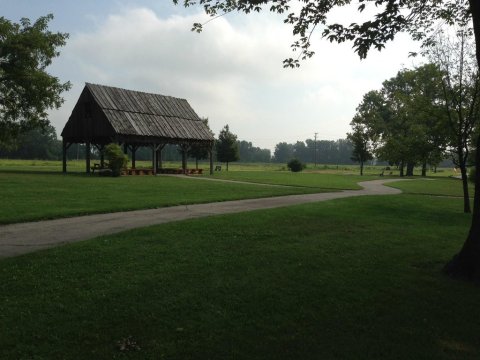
105 114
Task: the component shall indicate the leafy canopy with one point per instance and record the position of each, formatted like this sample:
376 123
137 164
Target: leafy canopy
390 17
27 91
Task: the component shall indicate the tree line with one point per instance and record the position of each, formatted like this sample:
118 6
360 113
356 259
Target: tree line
43 145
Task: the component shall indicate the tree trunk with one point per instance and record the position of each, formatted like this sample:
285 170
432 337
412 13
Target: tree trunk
466 197
227 165
466 264
410 166
196 163
361 168
424 169
401 169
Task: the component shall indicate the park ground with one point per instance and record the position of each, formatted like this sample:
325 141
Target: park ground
356 278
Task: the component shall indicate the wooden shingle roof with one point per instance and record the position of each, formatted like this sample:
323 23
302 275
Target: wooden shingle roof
135 114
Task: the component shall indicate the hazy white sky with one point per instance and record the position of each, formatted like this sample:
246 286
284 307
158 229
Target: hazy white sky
231 73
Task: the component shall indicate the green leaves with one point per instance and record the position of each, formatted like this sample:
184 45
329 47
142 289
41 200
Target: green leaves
27 91
389 17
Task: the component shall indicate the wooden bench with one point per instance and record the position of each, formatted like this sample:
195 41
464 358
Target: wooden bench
139 171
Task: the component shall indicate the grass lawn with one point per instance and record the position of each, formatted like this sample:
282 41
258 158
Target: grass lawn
32 196
437 186
307 179
353 278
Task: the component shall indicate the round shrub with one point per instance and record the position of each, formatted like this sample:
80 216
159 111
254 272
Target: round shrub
296 165
116 159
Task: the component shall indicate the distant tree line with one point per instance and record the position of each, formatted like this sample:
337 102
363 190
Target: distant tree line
311 151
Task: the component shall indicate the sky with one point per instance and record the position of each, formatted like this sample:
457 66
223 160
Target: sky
231 73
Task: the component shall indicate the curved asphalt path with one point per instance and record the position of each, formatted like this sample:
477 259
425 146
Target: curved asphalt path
17 239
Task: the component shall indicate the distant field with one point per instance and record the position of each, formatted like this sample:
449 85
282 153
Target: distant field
79 166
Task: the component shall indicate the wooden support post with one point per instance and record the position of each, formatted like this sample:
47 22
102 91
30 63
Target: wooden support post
125 148
184 158
159 156
64 156
154 159
87 156
134 150
211 160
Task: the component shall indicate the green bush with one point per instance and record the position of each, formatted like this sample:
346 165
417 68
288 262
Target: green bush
296 165
116 159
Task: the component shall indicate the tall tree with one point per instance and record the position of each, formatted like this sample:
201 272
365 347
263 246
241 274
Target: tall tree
227 146
362 147
27 91
455 56
416 17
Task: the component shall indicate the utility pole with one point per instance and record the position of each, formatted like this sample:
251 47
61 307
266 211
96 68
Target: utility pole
315 155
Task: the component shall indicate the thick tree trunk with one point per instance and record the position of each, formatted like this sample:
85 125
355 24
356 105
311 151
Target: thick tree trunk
401 169
424 169
410 167
361 168
466 264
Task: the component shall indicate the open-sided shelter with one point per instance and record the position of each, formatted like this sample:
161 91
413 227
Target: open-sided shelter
105 114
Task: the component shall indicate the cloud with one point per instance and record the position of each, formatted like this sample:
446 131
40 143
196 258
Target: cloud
231 73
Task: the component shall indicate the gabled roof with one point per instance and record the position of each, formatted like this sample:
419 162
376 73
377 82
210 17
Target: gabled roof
138 114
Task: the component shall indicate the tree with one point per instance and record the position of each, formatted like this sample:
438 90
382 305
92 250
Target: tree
250 153
416 17
35 144
362 149
415 123
227 146
27 91
283 152
460 89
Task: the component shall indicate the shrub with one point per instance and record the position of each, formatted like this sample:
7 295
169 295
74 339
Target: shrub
117 160
296 165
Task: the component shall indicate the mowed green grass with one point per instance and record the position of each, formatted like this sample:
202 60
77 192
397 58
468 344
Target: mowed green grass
34 196
304 179
434 186
356 278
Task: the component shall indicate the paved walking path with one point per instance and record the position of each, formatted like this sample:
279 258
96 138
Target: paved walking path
16 239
